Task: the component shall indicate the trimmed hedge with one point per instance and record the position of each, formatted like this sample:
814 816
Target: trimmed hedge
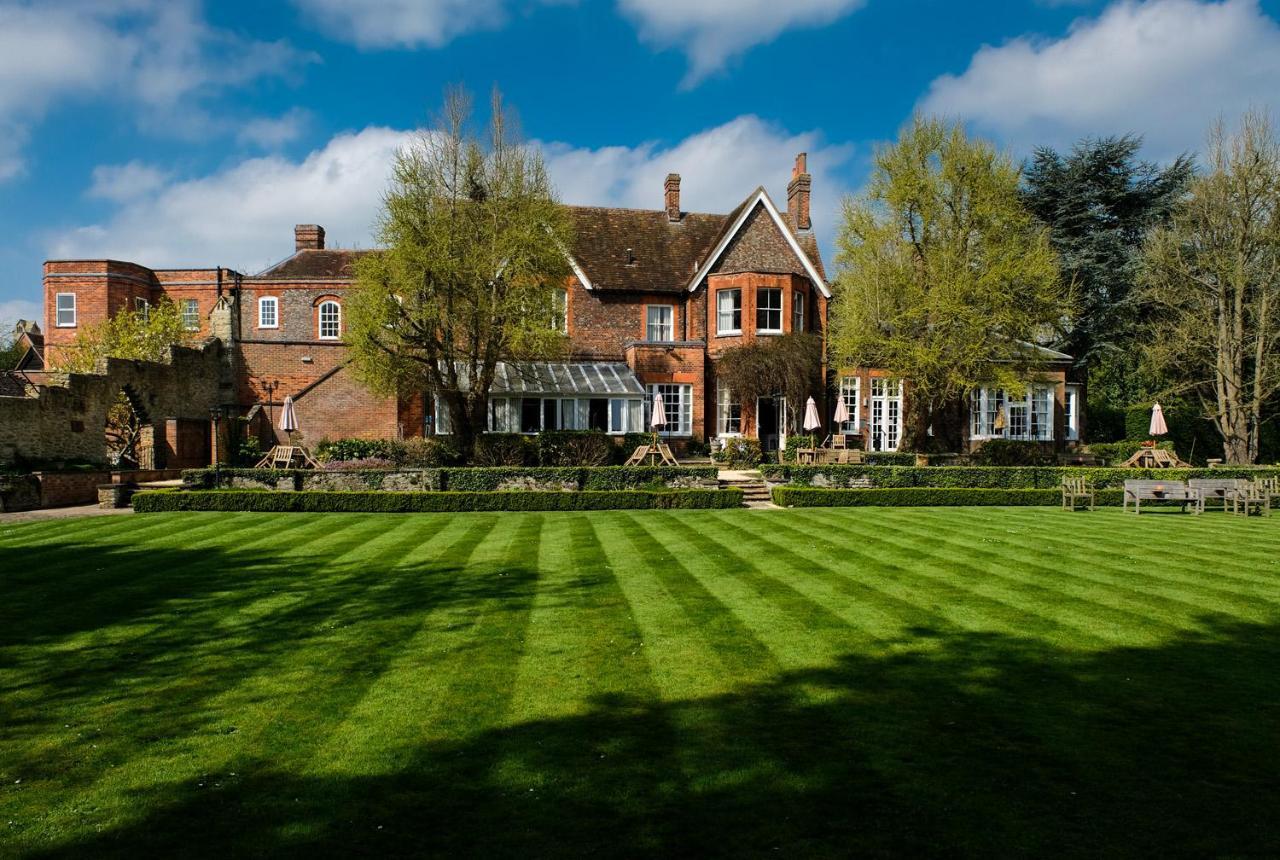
467 479
987 477
906 497
155 501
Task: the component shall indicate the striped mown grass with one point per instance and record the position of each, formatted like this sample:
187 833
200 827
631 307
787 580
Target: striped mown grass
967 681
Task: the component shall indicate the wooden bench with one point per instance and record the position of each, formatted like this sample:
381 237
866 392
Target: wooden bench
1251 494
1161 491
1076 491
1221 490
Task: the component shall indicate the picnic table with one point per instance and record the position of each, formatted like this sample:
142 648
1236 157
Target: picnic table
288 457
1161 491
1154 458
656 454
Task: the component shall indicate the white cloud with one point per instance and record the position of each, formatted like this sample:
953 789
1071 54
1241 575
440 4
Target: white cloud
243 217
718 168
274 132
159 57
711 32
124 182
18 309
404 23
1161 68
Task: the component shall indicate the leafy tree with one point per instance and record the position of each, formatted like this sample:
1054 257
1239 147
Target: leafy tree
144 335
944 278
1100 202
790 366
1212 281
10 352
475 254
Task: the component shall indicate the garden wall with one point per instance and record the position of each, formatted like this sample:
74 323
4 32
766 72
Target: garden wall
986 477
475 479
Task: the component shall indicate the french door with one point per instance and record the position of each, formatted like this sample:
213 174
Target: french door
886 414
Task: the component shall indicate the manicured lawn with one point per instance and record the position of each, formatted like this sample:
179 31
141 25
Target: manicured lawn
976 682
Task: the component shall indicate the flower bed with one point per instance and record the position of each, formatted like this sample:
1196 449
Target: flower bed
390 502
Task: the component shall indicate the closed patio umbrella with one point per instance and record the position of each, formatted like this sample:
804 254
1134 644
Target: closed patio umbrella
659 419
288 417
1158 427
842 412
811 420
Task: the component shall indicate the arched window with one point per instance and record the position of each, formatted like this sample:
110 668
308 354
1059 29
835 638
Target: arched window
330 320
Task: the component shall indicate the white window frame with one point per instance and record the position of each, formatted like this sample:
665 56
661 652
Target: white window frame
677 396
768 309
1072 410
1034 408
667 326
58 310
886 413
626 415
142 307
336 321
725 402
272 302
851 392
734 309
797 310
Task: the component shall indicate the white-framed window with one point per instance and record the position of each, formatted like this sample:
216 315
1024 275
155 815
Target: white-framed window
268 312
660 323
729 312
797 311
769 310
330 320
850 393
728 411
1027 417
1072 410
142 307
65 310
560 311
626 416
677 406
191 314
886 413
535 414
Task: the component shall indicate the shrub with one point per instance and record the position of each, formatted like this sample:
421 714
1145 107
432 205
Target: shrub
365 464
807 497
493 478
1010 452
429 452
987 477
352 449
467 478
795 443
739 453
502 449
636 477
154 501
890 458
575 448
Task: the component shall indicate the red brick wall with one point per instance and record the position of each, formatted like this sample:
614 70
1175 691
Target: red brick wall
58 489
676 364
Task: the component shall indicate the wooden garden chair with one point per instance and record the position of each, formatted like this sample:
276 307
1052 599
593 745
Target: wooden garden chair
1250 495
1077 491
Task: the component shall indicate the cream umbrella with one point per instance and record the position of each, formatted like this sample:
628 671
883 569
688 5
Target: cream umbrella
842 412
288 417
1158 427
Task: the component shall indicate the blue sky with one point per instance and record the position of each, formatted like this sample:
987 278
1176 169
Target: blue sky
171 132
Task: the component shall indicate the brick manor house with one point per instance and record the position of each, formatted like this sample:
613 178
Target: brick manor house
657 296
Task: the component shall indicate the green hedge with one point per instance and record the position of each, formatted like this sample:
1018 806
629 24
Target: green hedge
154 501
988 477
478 478
906 497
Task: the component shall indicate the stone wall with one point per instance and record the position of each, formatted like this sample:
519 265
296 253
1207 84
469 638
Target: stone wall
64 416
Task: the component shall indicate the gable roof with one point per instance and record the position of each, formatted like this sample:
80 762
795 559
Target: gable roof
663 252
735 222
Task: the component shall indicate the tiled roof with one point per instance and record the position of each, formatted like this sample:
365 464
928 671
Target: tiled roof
310 264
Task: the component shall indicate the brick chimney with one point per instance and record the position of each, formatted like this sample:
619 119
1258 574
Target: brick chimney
798 194
308 237
672 189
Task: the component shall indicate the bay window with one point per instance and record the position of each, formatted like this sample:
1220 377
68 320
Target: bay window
729 312
769 310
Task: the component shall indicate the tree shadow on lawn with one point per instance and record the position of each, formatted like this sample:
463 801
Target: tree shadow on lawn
958 744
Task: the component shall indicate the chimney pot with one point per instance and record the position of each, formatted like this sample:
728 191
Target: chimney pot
672 196
798 194
308 237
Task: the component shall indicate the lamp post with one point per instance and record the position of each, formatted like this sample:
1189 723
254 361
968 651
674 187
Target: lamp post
270 388
215 415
